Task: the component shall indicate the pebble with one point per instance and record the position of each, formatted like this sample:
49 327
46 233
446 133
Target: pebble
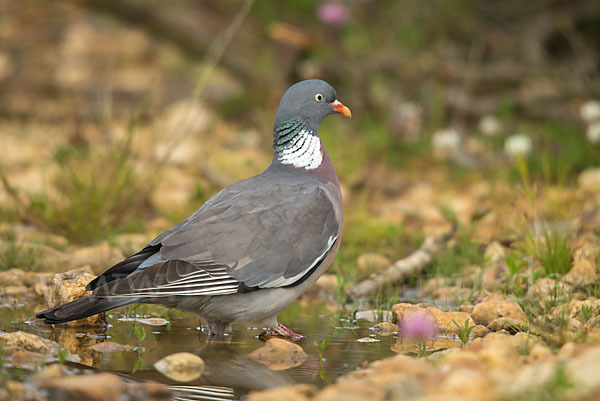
495 306
181 366
279 354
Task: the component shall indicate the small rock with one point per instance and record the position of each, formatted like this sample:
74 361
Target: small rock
27 341
151 321
367 340
576 308
298 392
589 180
48 374
181 366
583 271
385 328
433 284
16 290
406 387
471 276
92 387
109 346
445 320
131 242
493 277
583 371
18 277
531 377
480 331
327 283
568 350
495 306
539 352
18 391
69 286
372 262
498 351
508 324
448 295
279 354
548 289
374 315
99 257
495 252
401 309
27 359
469 384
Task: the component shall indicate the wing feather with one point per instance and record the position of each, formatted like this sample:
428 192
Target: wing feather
258 233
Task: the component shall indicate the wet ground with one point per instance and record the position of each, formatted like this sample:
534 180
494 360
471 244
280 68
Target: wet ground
226 362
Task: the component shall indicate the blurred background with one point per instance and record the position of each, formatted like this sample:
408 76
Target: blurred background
118 118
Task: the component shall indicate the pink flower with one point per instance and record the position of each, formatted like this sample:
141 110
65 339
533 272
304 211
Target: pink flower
418 326
333 13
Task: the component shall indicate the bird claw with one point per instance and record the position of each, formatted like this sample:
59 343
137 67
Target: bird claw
281 331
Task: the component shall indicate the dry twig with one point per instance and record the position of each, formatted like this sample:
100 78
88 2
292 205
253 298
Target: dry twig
403 268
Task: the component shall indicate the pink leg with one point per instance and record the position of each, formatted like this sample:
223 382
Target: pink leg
283 331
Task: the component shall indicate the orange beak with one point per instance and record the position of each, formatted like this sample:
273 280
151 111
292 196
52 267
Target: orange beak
340 108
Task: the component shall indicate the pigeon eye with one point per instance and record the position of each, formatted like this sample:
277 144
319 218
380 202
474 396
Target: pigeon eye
319 97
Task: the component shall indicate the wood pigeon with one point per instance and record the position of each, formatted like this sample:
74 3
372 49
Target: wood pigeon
251 249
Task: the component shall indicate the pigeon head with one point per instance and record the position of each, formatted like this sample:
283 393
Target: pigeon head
295 134
309 101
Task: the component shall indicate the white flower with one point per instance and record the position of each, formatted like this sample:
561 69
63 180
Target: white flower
445 142
593 132
489 125
518 145
590 111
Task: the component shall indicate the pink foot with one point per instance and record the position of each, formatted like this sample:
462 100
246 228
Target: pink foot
283 331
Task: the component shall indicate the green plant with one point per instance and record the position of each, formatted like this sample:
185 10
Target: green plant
514 263
588 312
421 349
62 353
140 333
321 345
139 363
516 283
552 249
15 255
340 290
385 298
465 252
98 190
464 332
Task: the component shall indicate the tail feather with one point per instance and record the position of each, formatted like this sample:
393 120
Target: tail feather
83 307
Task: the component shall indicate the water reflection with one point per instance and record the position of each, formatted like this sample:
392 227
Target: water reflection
230 373
227 373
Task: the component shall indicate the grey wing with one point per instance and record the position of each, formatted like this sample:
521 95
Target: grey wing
240 238
266 239
172 277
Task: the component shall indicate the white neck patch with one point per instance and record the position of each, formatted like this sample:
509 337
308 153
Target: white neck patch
304 153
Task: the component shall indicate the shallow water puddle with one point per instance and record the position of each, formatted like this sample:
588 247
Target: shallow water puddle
334 346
